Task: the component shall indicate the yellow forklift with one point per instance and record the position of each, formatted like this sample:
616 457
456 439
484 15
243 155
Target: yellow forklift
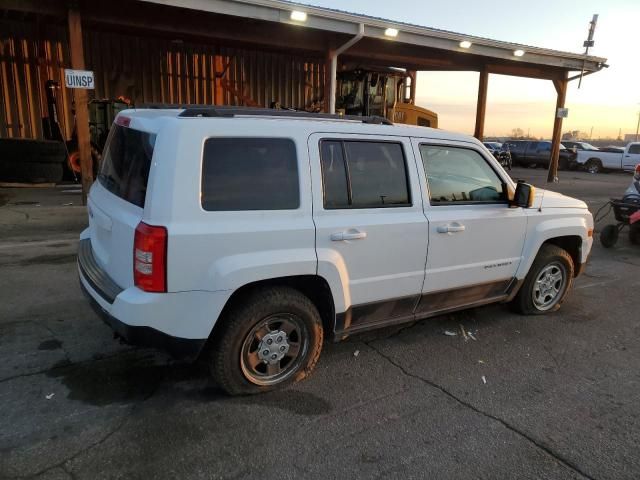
382 91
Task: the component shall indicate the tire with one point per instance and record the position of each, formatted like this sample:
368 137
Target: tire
634 233
31 151
236 354
563 164
31 172
593 166
609 236
552 261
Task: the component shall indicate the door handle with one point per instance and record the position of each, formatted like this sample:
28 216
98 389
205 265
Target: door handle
451 228
351 234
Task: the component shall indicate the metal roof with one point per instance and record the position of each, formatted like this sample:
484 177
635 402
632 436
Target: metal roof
338 21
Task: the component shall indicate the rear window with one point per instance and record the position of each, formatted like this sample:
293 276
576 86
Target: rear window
249 174
126 162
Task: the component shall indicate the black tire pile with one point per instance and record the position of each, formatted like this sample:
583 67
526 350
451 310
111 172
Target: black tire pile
31 161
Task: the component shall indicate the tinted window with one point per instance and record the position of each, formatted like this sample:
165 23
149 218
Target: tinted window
634 149
363 174
249 174
126 161
334 177
459 175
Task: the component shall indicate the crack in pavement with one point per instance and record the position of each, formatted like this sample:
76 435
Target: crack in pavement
63 463
563 461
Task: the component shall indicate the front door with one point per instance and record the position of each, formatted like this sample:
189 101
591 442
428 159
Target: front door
475 238
371 232
631 157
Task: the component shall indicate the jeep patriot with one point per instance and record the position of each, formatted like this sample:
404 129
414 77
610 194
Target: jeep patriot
244 237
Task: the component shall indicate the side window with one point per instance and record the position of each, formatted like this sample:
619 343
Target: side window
361 174
460 175
249 174
634 148
334 176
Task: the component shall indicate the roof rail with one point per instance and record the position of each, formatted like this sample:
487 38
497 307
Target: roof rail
224 111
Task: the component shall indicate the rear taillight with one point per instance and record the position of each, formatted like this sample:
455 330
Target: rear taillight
150 258
123 121
636 174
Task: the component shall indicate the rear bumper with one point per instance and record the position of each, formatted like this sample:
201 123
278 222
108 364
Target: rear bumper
179 348
178 323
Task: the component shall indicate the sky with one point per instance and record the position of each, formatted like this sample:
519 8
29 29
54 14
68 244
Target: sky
606 103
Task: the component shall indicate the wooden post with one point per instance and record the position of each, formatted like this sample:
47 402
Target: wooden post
412 90
81 104
481 109
327 81
561 89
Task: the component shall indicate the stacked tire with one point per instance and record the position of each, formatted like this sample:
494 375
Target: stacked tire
31 161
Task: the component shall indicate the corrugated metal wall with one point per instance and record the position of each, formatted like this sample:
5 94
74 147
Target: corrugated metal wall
25 64
145 70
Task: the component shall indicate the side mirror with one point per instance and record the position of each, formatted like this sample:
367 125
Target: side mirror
524 195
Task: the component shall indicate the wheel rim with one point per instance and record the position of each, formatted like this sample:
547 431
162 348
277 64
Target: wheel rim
593 168
549 285
274 349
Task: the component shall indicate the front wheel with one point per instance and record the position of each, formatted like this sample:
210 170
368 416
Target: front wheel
609 236
547 283
271 339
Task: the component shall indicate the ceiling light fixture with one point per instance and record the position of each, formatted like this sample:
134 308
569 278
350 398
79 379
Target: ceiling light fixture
465 44
391 32
518 53
299 16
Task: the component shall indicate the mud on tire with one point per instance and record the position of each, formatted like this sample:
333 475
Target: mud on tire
548 256
225 354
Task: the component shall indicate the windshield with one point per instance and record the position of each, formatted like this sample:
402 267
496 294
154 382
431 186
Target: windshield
588 146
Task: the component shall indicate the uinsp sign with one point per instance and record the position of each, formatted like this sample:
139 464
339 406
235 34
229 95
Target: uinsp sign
79 79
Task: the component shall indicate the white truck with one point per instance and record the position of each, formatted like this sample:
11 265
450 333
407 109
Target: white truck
595 161
246 236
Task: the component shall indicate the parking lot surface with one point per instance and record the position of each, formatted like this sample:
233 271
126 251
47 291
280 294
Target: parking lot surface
523 397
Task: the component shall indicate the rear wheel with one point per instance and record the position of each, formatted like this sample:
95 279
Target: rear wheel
593 166
547 283
271 339
609 236
563 164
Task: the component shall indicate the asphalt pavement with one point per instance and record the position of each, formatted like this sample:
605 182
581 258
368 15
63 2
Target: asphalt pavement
527 397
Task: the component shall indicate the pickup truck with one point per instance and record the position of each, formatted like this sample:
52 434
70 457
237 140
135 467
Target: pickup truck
538 153
597 161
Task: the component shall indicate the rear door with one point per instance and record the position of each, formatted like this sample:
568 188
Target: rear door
116 200
370 225
475 238
631 157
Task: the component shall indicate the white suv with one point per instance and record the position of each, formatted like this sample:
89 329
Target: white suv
245 236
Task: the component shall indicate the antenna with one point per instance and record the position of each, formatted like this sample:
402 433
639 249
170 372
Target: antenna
588 43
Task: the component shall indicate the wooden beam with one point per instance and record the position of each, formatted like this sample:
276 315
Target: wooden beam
529 71
327 83
412 90
561 90
481 108
81 103
48 7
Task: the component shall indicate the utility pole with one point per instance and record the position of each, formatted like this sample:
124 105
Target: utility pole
638 127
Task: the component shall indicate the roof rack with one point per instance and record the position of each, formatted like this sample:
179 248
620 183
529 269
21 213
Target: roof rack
216 111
